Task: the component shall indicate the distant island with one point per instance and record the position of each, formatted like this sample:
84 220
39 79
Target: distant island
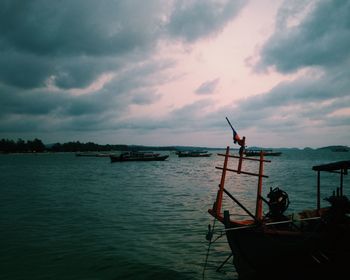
37 146
336 148
333 148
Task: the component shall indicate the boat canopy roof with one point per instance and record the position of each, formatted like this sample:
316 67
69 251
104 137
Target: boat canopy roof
334 166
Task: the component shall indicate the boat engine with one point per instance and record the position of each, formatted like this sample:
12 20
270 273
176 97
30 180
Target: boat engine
278 202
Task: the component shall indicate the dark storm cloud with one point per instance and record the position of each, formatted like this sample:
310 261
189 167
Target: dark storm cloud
49 50
71 41
321 39
75 41
23 70
191 20
42 108
66 111
77 27
208 87
58 103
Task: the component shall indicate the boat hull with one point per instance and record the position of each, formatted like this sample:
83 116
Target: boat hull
257 153
123 159
194 155
312 244
272 253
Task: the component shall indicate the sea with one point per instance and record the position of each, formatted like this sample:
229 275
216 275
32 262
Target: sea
68 217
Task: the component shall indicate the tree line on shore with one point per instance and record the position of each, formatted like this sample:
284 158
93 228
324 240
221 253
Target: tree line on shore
37 146
21 146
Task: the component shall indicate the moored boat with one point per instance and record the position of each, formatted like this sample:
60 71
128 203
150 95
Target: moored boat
86 154
92 154
193 153
256 152
138 156
312 244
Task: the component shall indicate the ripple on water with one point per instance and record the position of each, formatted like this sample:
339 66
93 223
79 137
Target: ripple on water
67 217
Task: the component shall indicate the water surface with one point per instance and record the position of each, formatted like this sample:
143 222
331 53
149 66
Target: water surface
68 217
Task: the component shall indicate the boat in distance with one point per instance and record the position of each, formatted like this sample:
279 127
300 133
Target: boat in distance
138 156
311 244
256 152
89 154
193 153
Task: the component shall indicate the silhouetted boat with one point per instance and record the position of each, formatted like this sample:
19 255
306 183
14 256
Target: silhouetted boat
312 244
256 153
193 153
91 154
138 156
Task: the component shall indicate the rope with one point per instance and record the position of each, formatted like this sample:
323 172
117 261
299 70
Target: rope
209 237
208 250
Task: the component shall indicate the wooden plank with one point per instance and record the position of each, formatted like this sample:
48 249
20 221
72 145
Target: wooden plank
259 210
218 203
245 158
242 172
240 204
333 166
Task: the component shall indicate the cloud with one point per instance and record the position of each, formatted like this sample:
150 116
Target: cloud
208 87
59 109
52 55
296 105
74 42
314 40
80 27
321 39
191 20
314 107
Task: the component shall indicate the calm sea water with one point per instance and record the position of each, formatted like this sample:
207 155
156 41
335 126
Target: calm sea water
68 217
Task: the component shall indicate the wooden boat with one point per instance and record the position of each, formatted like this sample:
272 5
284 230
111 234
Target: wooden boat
193 153
86 154
138 156
312 244
89 154
256 153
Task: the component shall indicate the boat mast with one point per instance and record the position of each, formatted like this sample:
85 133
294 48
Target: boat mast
218 204
259 201
216 211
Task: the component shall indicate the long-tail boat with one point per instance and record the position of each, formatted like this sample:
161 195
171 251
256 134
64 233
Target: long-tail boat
138 156
256 153
312 244
193 153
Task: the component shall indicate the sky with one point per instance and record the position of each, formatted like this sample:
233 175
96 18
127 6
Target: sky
166 73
